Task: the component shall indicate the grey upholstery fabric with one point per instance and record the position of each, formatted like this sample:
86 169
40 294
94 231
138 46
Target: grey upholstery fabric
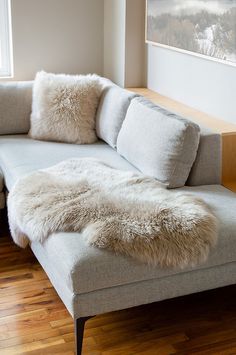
206 169
86 269
111 112
149 291
136 293
15 107
20 155
159 143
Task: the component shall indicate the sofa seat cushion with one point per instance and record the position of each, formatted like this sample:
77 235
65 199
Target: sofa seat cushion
20 155
85 269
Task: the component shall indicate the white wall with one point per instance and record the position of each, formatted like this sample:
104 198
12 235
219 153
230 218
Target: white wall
80 36
200 83
114 40
135 55
124 47
57 35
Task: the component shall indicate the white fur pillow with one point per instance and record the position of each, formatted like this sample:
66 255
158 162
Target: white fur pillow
64 107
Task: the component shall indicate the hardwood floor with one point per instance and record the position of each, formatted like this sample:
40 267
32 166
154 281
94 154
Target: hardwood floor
33 320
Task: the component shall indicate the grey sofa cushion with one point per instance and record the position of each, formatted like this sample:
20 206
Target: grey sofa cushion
20 155
159 143
15 107
86 269
207 169
142 292
136 293
111 112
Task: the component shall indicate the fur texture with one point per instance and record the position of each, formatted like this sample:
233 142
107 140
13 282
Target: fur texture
64 107
121 211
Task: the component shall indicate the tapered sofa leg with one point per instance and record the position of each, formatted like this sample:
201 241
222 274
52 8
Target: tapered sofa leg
79 333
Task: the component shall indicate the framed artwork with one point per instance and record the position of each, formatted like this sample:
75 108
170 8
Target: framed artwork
205 28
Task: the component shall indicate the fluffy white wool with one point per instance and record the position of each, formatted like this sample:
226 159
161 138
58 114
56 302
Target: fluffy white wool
121 211
64 107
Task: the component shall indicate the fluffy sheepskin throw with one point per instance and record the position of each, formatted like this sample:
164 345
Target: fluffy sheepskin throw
64 107
124 212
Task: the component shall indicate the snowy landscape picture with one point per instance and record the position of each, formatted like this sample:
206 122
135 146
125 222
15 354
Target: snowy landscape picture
203 27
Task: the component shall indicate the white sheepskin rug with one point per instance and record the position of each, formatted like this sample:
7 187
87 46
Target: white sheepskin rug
123 212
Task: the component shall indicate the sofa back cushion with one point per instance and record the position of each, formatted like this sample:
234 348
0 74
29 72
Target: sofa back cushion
111 112
207 167
159 143
15 107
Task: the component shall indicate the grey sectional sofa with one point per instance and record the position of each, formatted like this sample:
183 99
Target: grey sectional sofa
91 281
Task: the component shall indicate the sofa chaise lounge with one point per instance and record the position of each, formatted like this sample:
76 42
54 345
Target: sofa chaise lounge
91 281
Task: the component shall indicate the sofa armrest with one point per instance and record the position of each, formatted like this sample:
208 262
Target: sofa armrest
15 107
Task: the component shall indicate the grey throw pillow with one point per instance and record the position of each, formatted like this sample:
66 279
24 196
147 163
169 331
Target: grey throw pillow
159 143
15 107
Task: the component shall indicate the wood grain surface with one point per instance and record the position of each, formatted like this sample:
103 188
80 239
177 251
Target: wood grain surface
33 320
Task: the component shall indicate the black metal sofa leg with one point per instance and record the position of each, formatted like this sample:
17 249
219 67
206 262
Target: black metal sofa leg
79 333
